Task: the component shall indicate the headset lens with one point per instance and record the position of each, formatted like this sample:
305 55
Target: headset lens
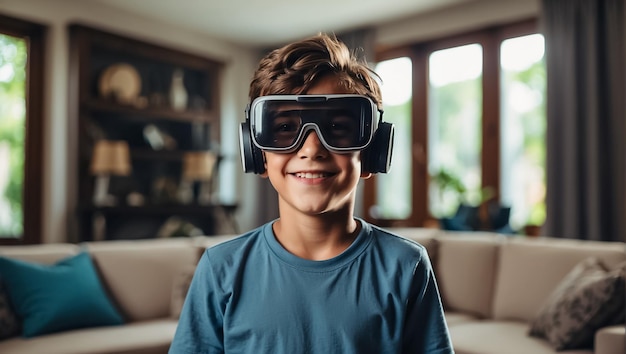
342 122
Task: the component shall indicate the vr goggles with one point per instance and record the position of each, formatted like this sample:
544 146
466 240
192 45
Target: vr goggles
343 123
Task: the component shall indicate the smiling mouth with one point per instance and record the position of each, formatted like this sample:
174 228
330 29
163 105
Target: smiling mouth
312 175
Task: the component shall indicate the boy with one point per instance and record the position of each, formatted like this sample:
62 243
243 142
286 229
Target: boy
316 280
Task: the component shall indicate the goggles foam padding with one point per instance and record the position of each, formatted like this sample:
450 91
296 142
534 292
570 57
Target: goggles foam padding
343 123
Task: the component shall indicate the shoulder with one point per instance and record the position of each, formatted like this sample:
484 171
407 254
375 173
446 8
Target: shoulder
396 252
397 243
223 264
399 258
236 247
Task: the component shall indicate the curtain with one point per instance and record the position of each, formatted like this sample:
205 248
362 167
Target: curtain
586 129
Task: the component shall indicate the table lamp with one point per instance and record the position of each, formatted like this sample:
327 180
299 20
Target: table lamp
197 166
109 158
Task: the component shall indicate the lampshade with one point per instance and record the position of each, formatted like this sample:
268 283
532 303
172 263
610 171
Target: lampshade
110 158
198 165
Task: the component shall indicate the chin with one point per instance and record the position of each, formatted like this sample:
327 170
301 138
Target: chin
313 210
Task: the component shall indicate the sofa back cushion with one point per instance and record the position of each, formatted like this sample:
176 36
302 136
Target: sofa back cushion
531 269
140 274
465 271
44 253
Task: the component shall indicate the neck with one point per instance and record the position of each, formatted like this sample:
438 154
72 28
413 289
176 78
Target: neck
317 237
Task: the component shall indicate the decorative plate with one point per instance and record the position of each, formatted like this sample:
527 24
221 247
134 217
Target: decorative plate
120 82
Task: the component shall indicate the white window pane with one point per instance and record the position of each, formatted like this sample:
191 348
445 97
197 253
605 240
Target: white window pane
523 128
454 127
394 188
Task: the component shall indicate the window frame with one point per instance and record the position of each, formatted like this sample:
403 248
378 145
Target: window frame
32 200
490 38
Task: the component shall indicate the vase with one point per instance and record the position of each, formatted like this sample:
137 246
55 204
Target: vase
178 93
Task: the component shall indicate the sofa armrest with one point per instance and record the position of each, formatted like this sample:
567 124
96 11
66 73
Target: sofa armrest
611 340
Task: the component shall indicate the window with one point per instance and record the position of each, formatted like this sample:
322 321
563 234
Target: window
21 55
394 188
473 128
523 129
454 119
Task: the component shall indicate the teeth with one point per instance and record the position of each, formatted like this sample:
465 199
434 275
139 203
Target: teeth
310 175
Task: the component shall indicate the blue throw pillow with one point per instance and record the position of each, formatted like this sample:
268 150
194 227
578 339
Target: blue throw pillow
53 298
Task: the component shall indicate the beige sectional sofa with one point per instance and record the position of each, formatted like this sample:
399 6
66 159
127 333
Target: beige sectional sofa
492 287
140 277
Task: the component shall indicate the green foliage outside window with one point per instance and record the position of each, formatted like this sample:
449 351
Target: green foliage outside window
394 190
534 127
455 145
13 53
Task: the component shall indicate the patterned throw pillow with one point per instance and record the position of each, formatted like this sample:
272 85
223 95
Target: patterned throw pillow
9 322
182 281
587 299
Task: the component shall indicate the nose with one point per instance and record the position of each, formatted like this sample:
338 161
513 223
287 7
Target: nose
312 147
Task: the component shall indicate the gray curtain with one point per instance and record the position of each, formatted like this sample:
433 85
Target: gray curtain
586 129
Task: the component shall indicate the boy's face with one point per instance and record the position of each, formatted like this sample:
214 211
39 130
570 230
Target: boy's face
313 180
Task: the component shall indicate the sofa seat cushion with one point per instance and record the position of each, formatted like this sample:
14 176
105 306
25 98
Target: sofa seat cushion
151 337
455 318
497 337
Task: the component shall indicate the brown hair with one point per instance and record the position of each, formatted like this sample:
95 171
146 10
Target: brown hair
294 68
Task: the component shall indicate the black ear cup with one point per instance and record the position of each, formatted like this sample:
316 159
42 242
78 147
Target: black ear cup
251 156
376 158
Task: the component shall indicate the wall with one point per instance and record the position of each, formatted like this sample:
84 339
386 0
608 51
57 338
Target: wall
251 192
455 19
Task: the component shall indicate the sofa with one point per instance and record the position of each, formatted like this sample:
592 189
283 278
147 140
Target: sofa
492 287
140 278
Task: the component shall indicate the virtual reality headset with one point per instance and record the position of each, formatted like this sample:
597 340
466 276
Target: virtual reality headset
343 123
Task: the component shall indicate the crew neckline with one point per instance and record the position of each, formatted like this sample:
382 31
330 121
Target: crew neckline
360 243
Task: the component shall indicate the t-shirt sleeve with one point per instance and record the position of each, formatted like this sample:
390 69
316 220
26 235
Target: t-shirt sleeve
200 326
425 329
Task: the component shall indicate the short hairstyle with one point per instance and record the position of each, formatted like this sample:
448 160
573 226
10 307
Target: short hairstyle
294 68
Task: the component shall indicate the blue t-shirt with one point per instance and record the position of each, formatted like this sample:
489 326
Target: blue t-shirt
250 295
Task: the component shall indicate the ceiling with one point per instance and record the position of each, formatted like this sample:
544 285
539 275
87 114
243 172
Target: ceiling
270 22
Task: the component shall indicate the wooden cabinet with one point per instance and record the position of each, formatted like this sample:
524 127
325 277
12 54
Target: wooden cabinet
120 91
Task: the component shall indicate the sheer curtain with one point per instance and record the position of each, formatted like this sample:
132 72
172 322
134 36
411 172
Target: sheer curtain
586 147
